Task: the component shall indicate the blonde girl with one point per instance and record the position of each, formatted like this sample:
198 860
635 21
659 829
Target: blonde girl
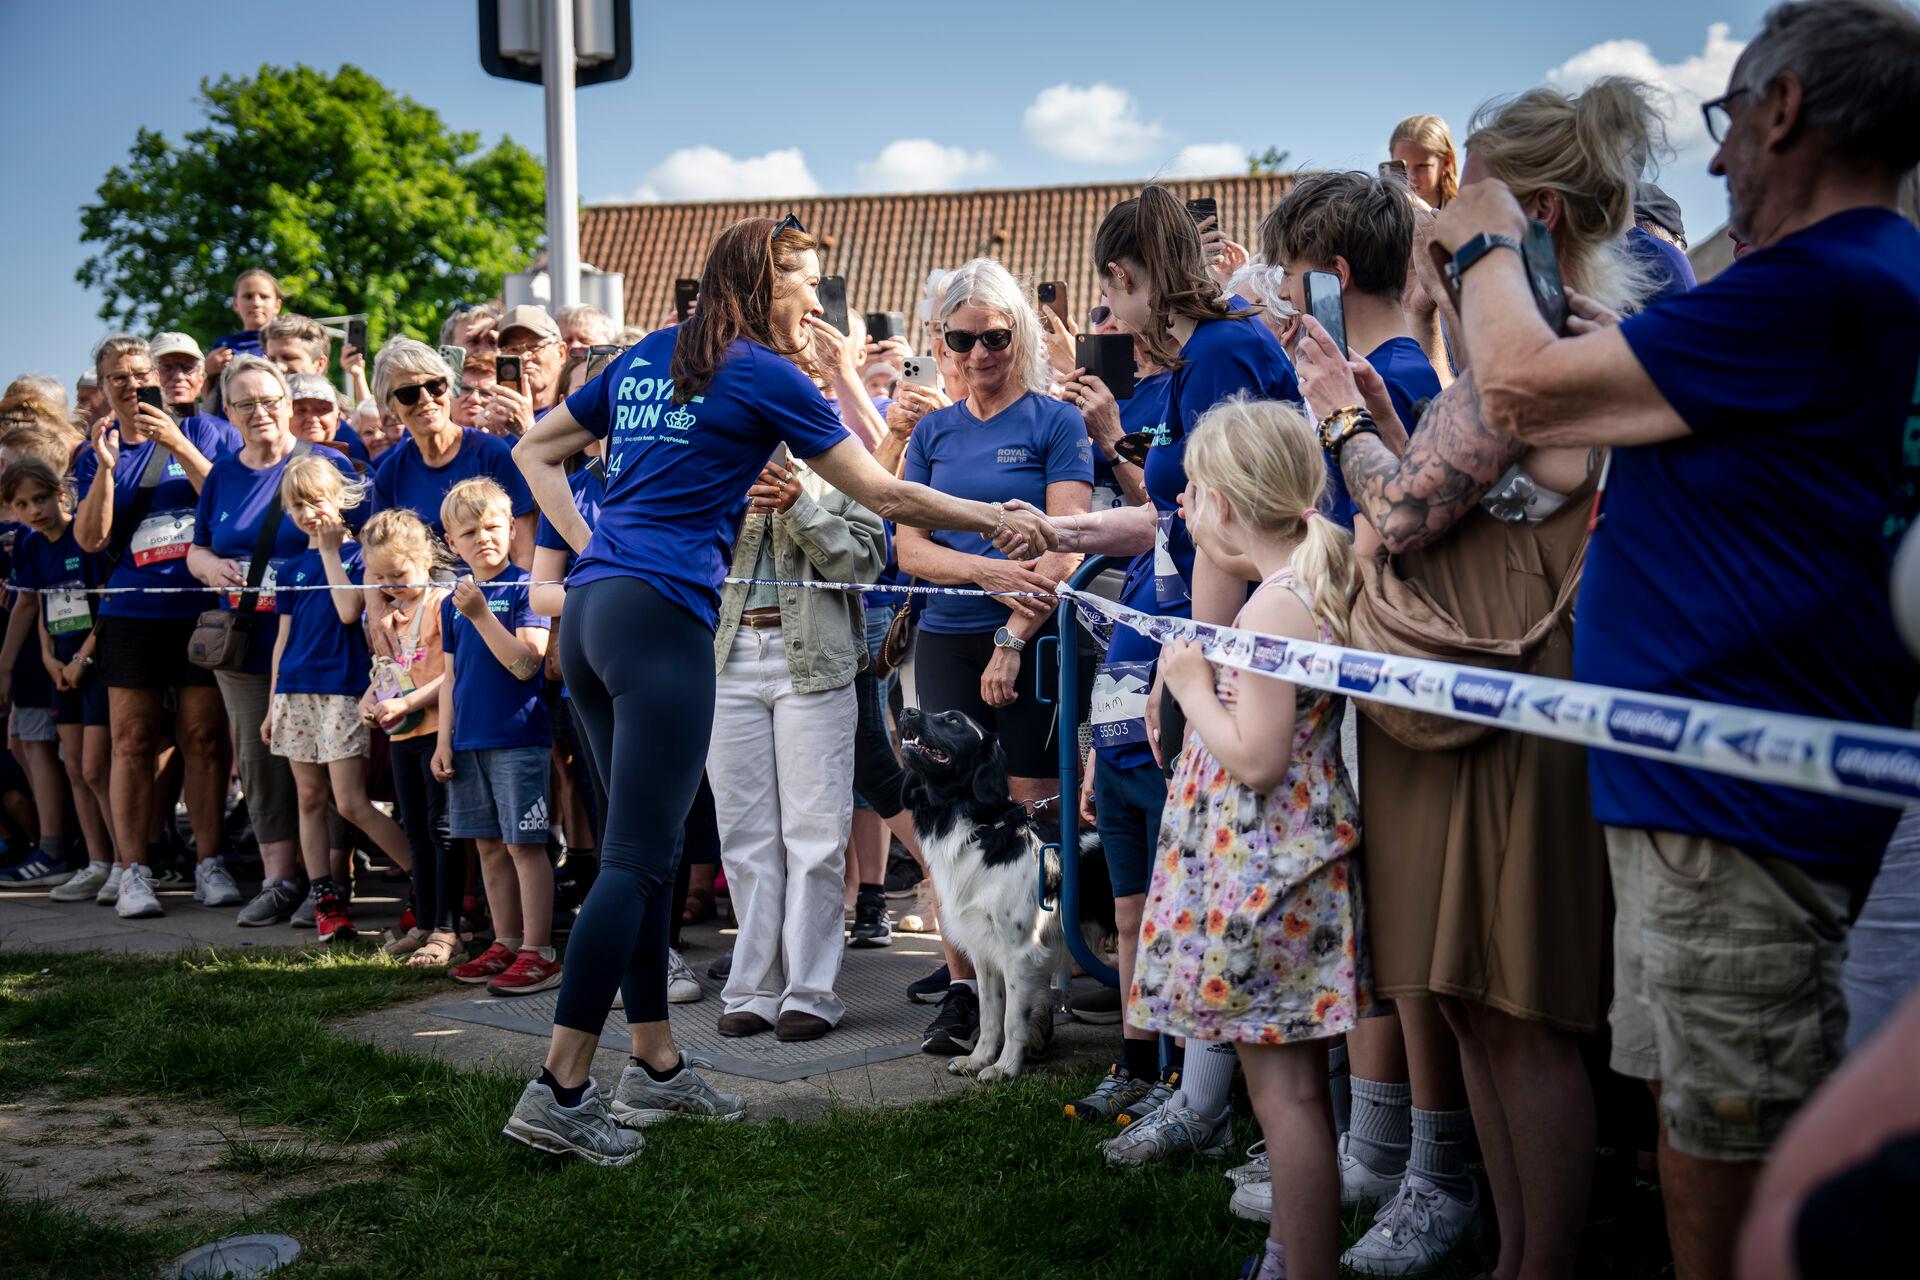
319 670
1251 928
401 555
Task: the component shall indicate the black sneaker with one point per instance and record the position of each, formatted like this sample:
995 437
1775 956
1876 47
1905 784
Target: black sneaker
956 1028
721 968
872 922
931 989
903 873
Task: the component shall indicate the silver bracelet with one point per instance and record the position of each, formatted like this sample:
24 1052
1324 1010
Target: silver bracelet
1000 524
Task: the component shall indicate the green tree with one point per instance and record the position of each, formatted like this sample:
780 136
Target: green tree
359 199
1272 160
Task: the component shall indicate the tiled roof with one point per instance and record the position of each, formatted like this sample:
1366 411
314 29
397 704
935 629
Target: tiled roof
885 244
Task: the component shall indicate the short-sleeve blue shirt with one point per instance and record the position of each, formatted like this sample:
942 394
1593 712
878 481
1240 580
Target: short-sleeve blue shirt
402 478
323 655
490 707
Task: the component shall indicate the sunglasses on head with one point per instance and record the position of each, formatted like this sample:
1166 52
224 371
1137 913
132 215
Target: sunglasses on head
788 223
410 396
960 341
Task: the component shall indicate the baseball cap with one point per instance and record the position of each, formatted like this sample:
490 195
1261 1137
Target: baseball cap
528 316
1653 205
311 386
174 344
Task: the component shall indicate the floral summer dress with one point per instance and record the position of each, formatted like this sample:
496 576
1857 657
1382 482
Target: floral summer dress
1251 929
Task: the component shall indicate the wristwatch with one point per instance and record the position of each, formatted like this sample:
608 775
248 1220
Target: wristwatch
86 659
1477 248
1005 639
1343 425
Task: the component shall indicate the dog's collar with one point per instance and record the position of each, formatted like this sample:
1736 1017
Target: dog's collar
1017 816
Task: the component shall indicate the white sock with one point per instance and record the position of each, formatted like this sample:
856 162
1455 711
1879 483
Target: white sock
1208 1076
545 953
972 984
100 862
511 944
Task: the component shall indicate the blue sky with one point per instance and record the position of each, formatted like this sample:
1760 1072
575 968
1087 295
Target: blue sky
744 97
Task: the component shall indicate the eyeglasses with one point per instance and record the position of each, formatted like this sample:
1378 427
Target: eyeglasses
525 348
788 223
1718 118
410 396
248 408
960 341
130 377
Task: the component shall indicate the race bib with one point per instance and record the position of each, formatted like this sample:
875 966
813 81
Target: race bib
1119 710
68 610
264 604
162 536
1169 586
1106 497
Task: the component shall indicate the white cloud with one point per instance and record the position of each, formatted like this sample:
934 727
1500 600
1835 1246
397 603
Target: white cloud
708 173
1687 83
1207 160
1096 125
921 164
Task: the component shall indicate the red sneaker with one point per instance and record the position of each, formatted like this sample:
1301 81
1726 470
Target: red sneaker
408 922
330 923
530 972
495 960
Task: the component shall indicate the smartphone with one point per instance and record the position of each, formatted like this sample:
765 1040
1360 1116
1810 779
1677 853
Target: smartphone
1543 273
151 395
685 293
506 371
1108 357
1203 208
882 325
1053 296
1133 447
1324 305
922 371
1394 169
357 334
456 358
833 301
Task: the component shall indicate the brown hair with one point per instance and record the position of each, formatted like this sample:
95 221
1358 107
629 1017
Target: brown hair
399 531
264 274
29 408
289 325
30 469
1351 215
45 442
472 499
1430 134
736 300
1153 230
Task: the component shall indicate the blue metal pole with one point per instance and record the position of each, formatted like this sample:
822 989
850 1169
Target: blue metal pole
1069 711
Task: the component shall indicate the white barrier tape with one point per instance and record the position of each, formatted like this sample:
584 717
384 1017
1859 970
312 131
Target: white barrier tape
1861 762
537 582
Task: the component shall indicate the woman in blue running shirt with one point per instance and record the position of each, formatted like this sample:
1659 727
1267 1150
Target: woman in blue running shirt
690 415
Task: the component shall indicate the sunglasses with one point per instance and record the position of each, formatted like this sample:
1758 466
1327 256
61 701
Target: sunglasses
788 223
410 396
1099 315
960 341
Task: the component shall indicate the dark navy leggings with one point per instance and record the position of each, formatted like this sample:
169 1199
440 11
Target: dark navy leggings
640 670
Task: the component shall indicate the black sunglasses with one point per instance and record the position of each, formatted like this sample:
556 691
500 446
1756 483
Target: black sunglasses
410 396
960 341
788 223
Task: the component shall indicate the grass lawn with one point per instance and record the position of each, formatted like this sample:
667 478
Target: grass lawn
996 1183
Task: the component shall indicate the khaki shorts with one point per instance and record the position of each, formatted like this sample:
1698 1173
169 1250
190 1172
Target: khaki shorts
1726 985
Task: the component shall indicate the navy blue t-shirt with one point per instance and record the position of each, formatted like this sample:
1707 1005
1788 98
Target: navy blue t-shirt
677 475
244 343
490 708
1223 358
68 617
1017 453
1748 562
323 654
356 448
589 487
1672 272
403 479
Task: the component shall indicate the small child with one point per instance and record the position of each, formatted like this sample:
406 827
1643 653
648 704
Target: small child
404 700
494 739
46 555
1251 929
319 669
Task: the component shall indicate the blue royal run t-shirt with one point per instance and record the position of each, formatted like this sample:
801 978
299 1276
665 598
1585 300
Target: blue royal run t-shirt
1748 563
1222 358
1032 443
677 475
402 478
152 530
1127 670
233 504
64 569
491 709
323 655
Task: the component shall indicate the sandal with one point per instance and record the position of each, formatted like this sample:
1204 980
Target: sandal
437 952
405 944
698 907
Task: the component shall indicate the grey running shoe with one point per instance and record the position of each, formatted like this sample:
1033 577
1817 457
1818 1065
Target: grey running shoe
309 908
1117 1090
1154 1099
137 900
212 886
682 986
86 883
1174 1130
586 1131
640 1100
1415 1231
274 903
110 891
1256 1169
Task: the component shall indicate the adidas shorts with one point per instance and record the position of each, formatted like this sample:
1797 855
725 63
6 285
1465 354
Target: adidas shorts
499 793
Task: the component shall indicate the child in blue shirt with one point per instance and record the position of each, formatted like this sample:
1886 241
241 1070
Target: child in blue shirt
495 739
319 671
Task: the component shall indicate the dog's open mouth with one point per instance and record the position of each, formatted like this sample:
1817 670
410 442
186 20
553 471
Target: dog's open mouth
932 754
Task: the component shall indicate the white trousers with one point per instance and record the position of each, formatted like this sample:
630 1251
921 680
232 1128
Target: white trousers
781 767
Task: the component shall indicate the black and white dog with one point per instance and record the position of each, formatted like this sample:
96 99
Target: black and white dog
998 881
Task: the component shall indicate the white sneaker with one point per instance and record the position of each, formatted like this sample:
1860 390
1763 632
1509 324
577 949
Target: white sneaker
137 899
110 891
1253 1201
1415 1231
86 883
682 986
1360 1184
212 886
1254 1170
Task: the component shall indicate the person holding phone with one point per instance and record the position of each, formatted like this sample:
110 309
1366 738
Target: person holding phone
690 415
139 486
530 338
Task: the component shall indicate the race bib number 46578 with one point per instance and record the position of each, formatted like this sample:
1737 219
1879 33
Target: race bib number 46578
162 536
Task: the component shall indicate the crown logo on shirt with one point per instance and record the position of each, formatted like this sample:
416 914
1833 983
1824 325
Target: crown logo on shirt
678 420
